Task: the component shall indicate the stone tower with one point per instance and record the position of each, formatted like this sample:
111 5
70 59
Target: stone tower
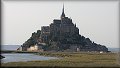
62 27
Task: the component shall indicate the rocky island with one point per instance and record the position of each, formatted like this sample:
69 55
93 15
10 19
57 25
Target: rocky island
61 35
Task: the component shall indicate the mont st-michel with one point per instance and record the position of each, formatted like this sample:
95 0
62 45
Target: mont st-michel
70 40
61 35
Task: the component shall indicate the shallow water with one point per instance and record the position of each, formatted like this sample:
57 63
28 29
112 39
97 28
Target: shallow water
9 47
17 57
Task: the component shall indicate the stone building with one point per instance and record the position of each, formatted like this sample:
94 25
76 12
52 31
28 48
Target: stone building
45 32
59 28
35 48
61 35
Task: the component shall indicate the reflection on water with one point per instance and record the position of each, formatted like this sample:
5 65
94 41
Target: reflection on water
16 57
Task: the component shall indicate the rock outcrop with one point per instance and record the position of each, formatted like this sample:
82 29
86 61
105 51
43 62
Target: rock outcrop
70 43
1 57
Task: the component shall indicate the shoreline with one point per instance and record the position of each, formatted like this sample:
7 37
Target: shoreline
75 59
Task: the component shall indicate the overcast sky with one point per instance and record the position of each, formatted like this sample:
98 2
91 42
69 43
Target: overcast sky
97 20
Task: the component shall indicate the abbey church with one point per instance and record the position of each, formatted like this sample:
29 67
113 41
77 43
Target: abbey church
61 35
59 28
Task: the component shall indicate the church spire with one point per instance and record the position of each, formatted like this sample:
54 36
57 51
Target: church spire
63 14
63 8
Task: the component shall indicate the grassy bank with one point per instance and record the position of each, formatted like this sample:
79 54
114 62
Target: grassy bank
72 60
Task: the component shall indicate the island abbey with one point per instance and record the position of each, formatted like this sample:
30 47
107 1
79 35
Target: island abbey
59 28
61 35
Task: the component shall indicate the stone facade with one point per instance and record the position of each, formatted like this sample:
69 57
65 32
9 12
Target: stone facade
59 28
45 32
35 48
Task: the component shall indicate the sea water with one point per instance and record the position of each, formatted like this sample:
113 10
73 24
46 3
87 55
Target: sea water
20 57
